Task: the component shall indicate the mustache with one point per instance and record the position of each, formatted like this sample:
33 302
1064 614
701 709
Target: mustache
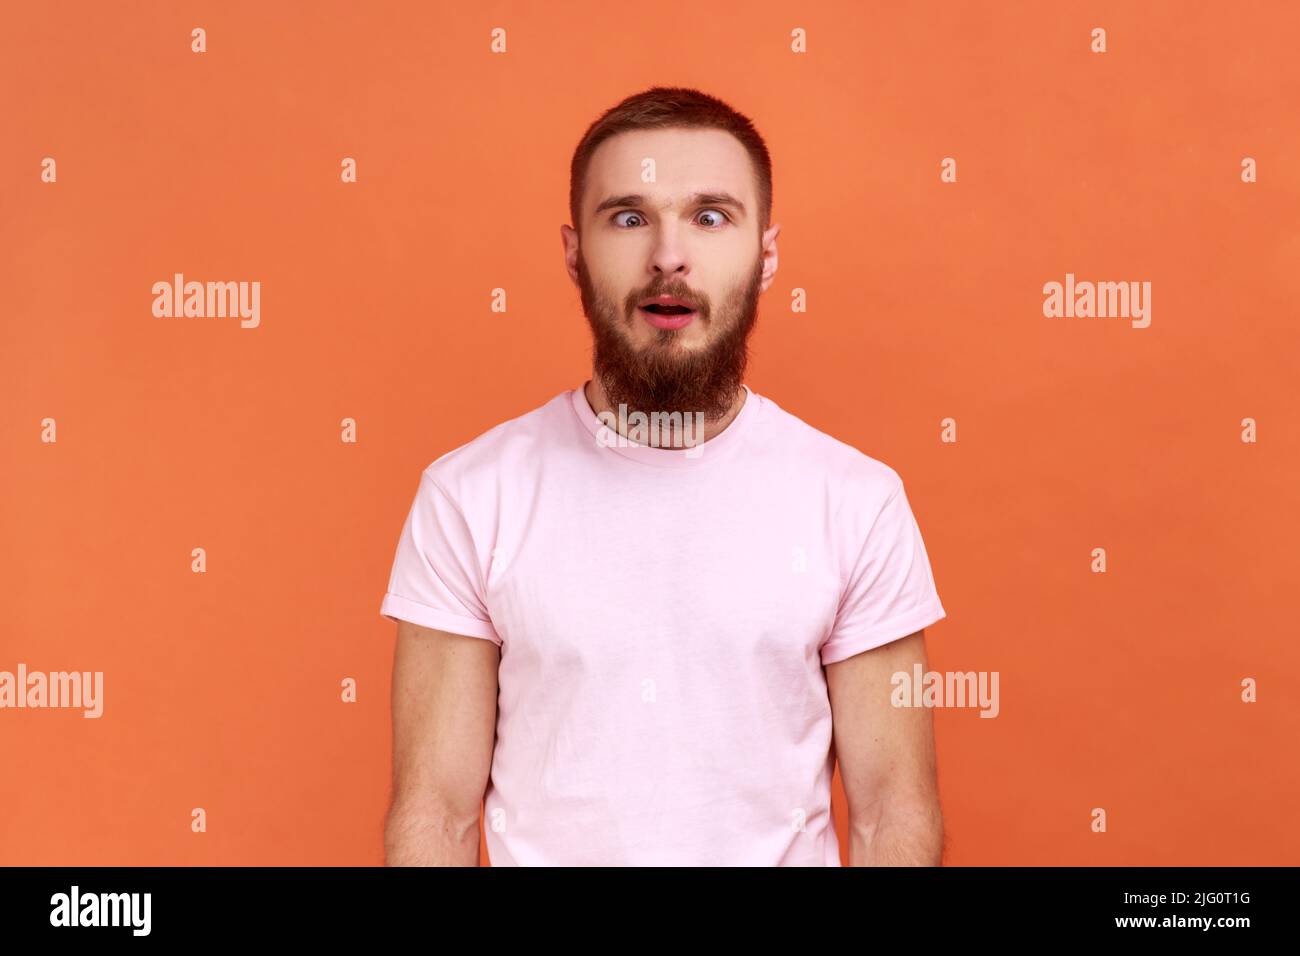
699 303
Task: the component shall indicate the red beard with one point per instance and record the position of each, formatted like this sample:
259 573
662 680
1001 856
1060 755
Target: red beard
664 378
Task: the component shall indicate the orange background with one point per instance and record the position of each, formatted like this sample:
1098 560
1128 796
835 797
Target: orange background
1118 690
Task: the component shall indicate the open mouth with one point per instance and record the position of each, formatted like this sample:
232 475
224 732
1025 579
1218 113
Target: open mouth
666 312
668 316
667 309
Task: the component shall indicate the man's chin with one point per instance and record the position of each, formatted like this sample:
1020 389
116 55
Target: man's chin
667 387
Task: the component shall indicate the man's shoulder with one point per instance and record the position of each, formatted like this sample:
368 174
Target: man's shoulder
836 460
506 447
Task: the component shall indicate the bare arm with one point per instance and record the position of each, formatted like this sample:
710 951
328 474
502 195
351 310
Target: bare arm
444 729
886 757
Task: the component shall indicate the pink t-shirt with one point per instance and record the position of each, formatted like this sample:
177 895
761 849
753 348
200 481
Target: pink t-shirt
664 616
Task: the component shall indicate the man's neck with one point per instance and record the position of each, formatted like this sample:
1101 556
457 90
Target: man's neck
599 403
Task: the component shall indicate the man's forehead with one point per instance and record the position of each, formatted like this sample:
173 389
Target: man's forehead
684 162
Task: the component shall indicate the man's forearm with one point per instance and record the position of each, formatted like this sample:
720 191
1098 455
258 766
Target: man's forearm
901 835
430 837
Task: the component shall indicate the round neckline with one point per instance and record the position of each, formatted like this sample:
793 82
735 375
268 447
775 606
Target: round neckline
607 439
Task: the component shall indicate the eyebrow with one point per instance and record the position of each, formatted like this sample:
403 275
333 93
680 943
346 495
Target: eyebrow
699 199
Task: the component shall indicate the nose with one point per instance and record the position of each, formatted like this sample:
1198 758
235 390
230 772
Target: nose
668 257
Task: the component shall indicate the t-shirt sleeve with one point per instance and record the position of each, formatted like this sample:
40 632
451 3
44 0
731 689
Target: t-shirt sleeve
436 579
890 590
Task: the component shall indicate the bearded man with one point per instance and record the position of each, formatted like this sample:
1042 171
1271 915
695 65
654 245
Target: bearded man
652 652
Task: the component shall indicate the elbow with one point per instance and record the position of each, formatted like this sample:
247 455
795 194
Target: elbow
431 833
898 832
